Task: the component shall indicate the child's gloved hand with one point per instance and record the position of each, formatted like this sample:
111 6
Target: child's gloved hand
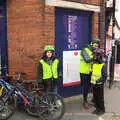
40 83
100 80
60 74
54 82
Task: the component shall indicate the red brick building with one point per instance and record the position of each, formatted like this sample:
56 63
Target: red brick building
31 25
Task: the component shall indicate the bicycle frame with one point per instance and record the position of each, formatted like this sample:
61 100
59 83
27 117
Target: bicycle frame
1 90
18 92
14 90
37 106
22 93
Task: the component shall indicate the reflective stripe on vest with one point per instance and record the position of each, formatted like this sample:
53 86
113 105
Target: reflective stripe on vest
85 67
50 71
96 74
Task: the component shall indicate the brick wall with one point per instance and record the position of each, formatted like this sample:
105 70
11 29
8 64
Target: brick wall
49 24
95 24
31 25
27 33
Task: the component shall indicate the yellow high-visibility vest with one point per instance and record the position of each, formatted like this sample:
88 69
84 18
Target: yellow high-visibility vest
96 73
85 67
50 71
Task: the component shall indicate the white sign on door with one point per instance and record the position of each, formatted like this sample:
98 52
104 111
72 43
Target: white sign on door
71 65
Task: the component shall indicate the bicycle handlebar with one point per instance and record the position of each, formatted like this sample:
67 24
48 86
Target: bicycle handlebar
20 73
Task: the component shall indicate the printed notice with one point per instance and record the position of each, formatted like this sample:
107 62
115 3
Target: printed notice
71 64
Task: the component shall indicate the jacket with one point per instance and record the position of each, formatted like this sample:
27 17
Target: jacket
86 57
40 68
103 73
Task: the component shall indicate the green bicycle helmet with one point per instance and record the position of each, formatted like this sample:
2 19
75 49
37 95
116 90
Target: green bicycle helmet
95 40
49 48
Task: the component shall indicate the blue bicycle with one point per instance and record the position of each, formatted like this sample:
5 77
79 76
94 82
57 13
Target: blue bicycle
48 106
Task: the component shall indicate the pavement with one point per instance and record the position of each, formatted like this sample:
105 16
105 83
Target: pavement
75 110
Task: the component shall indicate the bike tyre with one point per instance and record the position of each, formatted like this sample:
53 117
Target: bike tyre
46 99
52 99
7 111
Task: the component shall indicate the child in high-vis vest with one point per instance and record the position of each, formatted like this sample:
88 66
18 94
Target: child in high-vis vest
86 58
48 69
98 77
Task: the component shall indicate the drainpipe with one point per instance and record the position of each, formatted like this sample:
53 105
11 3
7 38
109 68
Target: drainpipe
102 23
42 10
112 61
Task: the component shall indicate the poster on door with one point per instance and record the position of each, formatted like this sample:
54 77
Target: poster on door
71 63
74 38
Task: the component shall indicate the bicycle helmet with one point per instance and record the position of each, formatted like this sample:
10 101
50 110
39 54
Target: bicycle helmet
95 41
49 48
99 55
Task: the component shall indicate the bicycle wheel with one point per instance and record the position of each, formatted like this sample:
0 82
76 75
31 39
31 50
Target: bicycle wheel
36 106
6 110
56 107
47 107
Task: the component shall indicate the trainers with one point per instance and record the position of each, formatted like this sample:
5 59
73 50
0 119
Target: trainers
86 105
100 112
95 112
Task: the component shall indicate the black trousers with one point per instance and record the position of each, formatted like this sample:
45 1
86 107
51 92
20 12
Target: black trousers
98 94
50 85
85 82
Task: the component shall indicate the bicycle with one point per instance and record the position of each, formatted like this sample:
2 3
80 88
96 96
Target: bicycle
48 106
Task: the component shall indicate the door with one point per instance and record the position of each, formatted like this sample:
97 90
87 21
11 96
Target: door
73 32
3 37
